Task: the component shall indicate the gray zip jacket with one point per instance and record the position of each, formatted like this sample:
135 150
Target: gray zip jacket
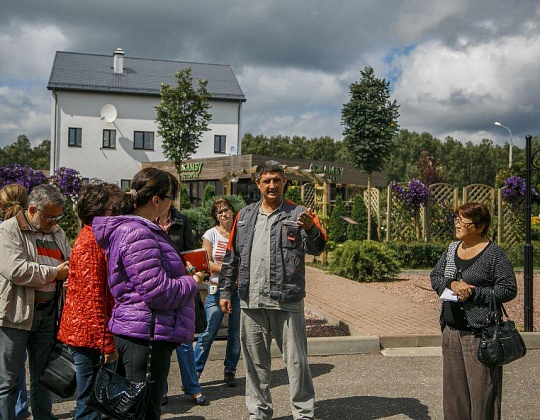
20 273
288 245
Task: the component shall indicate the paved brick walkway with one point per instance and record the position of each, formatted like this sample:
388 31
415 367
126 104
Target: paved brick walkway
368 309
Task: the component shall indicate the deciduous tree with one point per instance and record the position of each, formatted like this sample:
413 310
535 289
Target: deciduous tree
370 124
183 117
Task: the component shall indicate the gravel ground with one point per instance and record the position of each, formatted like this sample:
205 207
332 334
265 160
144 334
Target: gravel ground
418 289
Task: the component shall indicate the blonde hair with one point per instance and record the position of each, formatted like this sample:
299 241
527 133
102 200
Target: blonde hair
13 198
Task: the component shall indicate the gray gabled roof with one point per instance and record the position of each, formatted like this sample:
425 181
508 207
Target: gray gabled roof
142 76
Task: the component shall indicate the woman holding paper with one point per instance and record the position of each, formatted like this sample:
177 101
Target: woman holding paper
470 269
215 242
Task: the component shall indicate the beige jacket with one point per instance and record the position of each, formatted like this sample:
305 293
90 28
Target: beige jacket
20 274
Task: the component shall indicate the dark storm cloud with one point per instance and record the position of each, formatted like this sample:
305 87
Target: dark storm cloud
295 59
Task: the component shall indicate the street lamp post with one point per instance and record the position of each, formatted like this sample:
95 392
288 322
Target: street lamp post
511 143
532 164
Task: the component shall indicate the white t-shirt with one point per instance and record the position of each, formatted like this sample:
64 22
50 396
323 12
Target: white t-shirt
219 248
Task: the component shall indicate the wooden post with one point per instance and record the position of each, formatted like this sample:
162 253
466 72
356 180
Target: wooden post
388 214
427 215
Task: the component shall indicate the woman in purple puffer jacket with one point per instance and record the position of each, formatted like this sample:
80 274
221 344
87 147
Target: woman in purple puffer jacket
145 274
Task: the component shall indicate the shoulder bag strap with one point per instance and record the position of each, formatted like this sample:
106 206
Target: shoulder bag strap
150 345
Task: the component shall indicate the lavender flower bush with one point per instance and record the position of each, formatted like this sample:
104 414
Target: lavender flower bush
415 195
514 190
68 181
21 174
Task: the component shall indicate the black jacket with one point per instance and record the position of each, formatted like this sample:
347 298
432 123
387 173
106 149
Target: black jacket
180 232
288 246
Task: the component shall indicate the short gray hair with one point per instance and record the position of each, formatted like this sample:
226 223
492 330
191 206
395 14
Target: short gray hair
45 194
269 166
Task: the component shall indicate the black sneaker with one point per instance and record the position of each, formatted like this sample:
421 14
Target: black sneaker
165 400
230 380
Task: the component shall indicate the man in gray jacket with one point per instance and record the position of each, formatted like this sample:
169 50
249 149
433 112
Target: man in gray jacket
265 257
34 254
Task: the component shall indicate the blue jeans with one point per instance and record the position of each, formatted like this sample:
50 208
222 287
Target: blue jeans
86 368
214 316
186 363
21 406
38 341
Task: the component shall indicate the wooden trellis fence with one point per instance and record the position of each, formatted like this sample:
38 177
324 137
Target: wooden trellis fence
373 199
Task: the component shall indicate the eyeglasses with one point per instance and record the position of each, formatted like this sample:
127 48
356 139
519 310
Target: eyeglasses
458 221
49 218
170 197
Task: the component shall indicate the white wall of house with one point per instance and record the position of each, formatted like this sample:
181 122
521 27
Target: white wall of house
135 113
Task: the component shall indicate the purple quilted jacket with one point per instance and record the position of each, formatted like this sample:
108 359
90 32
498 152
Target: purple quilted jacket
146 272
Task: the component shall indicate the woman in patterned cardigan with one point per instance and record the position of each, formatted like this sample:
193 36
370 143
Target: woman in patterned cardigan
471 268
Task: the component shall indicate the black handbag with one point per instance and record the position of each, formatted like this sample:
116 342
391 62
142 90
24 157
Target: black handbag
59 375
200 315
116 396
500 342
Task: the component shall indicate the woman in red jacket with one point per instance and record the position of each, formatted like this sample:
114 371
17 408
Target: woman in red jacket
86 310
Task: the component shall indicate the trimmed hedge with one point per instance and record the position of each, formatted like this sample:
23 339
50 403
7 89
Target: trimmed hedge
364 261
417 254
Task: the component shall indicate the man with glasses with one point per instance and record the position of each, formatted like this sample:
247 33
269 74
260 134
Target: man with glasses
34 254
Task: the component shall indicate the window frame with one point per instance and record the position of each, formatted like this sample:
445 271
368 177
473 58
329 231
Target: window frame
218 139
144 140
103 146
122 183
77 140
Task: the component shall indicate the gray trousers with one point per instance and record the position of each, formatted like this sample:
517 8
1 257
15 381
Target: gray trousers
257 326
13 342
471 390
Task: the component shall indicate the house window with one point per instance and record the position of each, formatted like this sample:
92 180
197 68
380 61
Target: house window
109 139
75 137
219 144
125 184
144 140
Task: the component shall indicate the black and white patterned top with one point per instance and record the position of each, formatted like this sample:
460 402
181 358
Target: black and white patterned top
492 271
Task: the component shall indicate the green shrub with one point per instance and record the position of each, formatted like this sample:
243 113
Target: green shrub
515 253
209 193
417 254
358 214
185 203
294 193
364 261
337 227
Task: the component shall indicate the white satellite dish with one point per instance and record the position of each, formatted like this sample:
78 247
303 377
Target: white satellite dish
232 151
108 113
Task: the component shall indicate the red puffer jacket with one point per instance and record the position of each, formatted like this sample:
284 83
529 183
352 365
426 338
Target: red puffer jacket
84 312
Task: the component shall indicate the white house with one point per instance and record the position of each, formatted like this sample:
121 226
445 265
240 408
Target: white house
103 115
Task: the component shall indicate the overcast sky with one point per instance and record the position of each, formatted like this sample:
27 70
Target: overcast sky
455 66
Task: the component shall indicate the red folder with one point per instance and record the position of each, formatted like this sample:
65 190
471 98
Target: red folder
198 258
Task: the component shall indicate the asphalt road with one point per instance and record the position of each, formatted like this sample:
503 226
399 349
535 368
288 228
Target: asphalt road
352 387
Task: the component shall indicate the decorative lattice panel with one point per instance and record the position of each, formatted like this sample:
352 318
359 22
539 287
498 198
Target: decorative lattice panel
374 200
308 194
479 193
400 224
440 212
512 228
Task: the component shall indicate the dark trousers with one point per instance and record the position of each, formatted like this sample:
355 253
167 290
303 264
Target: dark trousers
134 354
471 390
